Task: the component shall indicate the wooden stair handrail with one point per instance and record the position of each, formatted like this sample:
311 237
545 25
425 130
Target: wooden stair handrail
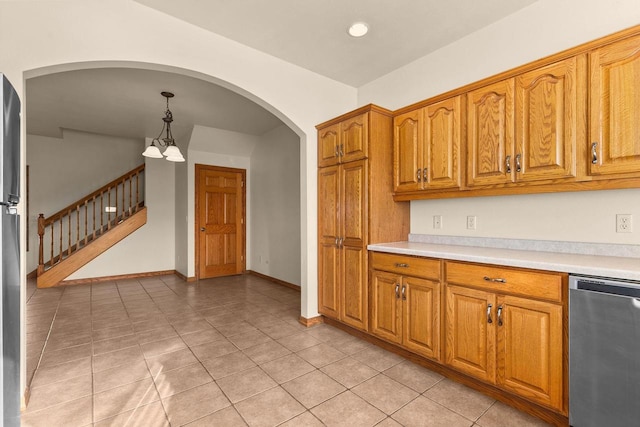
91 204
56 216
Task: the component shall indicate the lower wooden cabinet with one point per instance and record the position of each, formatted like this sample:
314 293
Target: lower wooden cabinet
513 342
404 309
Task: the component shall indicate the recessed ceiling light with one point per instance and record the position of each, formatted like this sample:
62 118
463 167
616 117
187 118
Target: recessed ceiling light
358 29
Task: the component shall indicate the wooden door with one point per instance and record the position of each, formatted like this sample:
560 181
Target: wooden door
328 146
407 151
421 316
441 153
615 109
530 349
353 252
386 306
220 221
328 237
490 128
470 332
354 138
550 111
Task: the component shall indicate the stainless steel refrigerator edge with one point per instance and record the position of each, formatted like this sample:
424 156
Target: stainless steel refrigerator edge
10 253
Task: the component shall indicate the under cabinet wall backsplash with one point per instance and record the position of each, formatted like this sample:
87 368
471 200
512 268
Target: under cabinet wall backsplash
588 216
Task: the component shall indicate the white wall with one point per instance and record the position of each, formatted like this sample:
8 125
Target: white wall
151 247
275 205
543 28
62 170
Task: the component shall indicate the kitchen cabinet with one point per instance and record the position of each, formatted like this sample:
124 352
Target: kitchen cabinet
354 206
427 147
614 149
405 302
490 134
505 326
344 142
550 121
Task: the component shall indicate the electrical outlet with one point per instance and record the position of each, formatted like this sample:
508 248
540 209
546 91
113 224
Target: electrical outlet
471 222
110 209
624 223
437 221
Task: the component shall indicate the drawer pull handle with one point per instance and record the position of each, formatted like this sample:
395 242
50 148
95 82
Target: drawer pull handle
401 265
490 279
499 315
489 320
404 294
397 290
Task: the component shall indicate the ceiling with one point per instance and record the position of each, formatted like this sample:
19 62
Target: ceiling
311 34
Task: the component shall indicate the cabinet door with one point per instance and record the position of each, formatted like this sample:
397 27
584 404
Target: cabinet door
353 220
530 349
354 138
328 233
407 151
470 332
615 109
441 154
386 306
328 146
421 316
549 120
490 128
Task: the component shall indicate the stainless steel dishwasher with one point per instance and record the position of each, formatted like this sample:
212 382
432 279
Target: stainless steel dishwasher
604 352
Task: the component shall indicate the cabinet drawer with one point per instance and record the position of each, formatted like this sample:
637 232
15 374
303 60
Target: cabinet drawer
507 280
406 265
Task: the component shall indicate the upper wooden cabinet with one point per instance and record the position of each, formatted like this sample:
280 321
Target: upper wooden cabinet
344 142
568 122
427 147
490 128
355 203
550 120
614 101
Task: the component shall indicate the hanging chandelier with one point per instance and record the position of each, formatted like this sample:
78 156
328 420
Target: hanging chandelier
172 153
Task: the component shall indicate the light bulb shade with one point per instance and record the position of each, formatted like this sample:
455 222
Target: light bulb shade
152 151
172 151
175 158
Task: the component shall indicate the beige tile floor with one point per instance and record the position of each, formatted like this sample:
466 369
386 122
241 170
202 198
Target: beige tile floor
223 352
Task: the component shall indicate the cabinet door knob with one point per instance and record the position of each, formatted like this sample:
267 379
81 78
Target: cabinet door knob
498 280
499 315
508 163
594 153
518 165
489 320
202 229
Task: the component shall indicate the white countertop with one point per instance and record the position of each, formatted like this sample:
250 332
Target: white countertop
591 265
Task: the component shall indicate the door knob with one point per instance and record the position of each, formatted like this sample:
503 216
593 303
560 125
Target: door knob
202 228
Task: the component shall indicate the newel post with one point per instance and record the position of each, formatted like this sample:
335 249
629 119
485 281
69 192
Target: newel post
41 245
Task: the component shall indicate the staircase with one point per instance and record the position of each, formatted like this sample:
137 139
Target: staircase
77 234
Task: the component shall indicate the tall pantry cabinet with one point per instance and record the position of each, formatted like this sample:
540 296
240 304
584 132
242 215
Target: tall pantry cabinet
355 208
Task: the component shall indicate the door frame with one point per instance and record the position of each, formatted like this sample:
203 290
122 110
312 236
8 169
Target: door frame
201 167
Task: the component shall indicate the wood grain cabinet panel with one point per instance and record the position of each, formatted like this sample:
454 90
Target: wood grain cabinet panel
490 133
530 349
515 342
427 147
355 203
615 109
550 120
470 334
406 310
